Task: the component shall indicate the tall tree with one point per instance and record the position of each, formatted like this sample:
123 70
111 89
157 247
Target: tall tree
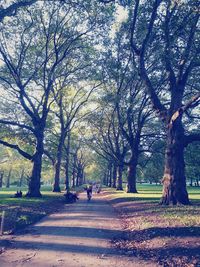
164 40
47 38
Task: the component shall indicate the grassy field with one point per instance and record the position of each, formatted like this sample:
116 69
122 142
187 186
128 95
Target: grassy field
168 235
20 212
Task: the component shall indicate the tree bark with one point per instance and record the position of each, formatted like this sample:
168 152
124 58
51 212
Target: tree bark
131 179
67 163
74 172
105 178
114 176
56 185
81 176
21 178
174 180
8 178
78 176
119 177
1 179
35 179
110 175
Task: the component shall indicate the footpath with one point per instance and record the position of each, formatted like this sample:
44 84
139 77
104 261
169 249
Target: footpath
78 236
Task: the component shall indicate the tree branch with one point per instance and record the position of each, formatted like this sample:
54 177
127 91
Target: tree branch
16 147
12 9
17 124
191 138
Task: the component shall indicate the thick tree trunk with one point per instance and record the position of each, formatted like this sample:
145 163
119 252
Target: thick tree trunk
67 163
131 179
8 178
174 180
1 179
119 178
34 183
35 179
114 176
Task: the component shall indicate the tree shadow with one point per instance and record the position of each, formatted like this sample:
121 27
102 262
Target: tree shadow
166 245
132 199
150 233
73 231
170 257
71 248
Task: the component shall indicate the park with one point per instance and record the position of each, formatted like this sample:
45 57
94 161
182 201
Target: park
99 133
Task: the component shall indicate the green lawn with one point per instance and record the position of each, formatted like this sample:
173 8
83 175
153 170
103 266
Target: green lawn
186 215
154 231
20 212
147 192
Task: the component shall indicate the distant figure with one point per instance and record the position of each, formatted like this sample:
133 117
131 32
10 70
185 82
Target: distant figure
18 194
89 192
98 188
71 197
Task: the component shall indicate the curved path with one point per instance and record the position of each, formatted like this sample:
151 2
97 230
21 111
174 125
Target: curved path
77 236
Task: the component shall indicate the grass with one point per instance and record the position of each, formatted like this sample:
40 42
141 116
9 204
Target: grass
20 212
186 215
153 231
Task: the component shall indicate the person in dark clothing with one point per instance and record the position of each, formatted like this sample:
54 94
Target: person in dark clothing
89 192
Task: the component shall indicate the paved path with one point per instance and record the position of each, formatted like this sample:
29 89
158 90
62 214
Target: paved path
77 236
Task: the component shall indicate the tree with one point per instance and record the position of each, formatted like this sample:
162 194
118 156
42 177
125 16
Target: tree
108 141
70 101
49 51
167 52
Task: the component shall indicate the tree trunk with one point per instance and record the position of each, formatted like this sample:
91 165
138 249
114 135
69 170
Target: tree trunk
84 180
174 180
1 179
56 185
105 178
131 179
8 178
110 175
67 163
81 176
35 179
74 171
119 177
114 178
78 176
21 178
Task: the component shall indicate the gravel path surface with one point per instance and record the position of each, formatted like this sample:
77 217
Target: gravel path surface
77 236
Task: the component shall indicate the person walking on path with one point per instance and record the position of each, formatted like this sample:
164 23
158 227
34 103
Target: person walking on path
89 191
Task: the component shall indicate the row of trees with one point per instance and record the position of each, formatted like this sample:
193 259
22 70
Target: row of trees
152 74
141 72
47 75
